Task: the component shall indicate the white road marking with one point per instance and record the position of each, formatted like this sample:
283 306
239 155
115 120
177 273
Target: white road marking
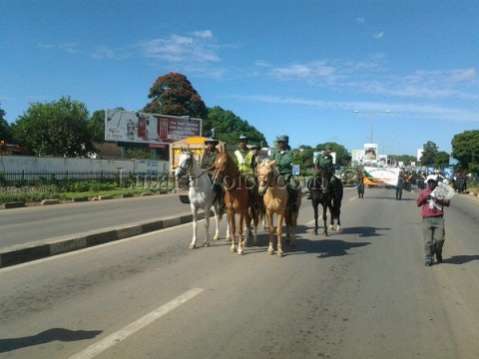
117 337
83 250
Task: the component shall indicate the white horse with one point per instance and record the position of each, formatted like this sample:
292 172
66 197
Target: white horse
200 194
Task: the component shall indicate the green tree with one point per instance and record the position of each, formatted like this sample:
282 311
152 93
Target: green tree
5 130
429 154
228 127
465 148
343 158
96 126
57 128
173 94
442 159
303 156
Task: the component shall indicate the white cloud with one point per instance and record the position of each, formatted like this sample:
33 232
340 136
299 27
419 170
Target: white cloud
360 20
305 71
378 35
68 47
179 49
262 63
404 110
204 34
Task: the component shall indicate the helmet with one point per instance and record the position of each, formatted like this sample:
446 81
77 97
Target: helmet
282 138
211 140
243 138
432 178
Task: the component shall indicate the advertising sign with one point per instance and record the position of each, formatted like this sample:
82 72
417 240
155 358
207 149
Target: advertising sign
370 152
148 128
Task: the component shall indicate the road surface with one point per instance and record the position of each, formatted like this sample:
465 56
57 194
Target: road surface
363 293
24 225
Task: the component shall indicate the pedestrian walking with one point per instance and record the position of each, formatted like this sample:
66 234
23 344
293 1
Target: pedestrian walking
433 228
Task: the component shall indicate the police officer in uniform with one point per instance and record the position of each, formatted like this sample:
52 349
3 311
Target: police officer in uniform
326 166
244 157
209 154
284 159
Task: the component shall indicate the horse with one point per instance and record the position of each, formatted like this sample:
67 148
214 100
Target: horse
201 195
236 198
329 200
275 199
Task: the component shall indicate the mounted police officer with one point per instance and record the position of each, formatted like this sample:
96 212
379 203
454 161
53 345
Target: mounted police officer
326 165
284 162
209 154
244 157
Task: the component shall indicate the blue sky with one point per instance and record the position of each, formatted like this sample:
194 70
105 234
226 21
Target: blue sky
316 70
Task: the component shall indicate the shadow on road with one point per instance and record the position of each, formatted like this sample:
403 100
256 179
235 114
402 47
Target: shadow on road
47 336
364 231
461 259
325 247
392 198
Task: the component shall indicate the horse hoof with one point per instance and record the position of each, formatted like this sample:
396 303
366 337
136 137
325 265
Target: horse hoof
206 244
216 237
232 249
270 251
280 254
192 246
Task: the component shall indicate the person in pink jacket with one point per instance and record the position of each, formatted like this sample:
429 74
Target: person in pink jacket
433 228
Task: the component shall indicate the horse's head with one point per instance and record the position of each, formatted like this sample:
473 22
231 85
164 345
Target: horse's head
224 167
185 163
265 172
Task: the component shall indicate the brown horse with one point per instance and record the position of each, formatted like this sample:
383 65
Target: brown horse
275 198
236 198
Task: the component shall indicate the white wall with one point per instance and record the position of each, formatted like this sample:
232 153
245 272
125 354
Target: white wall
51 164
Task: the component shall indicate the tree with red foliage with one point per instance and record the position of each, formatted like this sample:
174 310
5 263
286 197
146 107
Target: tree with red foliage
173 94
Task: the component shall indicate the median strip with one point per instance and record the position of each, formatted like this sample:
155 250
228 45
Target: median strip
36 250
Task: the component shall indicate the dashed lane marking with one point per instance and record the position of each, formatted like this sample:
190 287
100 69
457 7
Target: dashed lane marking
113 339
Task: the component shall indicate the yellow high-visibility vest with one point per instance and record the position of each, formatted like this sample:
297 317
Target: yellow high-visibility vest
245 162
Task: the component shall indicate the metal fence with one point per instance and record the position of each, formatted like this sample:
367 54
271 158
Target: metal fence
66 179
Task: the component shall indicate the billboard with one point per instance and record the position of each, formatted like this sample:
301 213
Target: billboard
148 128
370 152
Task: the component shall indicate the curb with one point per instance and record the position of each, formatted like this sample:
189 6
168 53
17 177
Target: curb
33 251
9 205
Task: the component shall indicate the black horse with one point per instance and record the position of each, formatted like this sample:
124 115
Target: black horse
329 199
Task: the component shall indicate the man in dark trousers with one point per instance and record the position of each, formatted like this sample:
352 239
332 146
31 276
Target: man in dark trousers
433 229
399 186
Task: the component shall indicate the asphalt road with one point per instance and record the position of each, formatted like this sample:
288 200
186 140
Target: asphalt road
363 293
24 225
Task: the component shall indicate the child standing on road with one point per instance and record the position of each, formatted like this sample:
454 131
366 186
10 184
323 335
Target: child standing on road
432 212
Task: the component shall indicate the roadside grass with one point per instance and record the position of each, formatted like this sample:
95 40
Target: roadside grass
33 196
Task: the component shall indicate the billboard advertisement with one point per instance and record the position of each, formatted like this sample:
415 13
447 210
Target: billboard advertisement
148 128
370 152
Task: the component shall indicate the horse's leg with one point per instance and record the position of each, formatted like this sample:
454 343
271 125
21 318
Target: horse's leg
331 215
217 223
325 218
279 231
315 209
232 227
338 218
206 243
243 220
194 213
269 215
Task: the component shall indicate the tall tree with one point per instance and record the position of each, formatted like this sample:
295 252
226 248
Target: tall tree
96 126
442 159
465 148
343 157
429 154
228 127
173 94
57 128
5 130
